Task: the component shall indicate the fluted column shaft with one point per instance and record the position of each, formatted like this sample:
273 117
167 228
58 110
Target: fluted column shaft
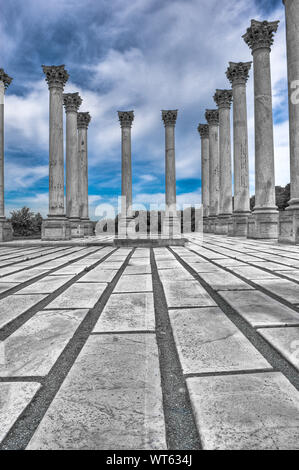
126 118
223 99
82 123
203 130
72 102
259 37
169 117
237 73
212 117
292 33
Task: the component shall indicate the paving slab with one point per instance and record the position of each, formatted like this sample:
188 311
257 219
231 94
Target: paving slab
14 398
127 312
227 263
252 273
35 347
47 285
78 296
137 270
290 274
208 342
224 281
205 267
167 264
271 266
15 305
285 289
139 262
259 310
285 341
246 412
25 275
111 399
5 286
111 264
178 274
135 283
186 294
98 274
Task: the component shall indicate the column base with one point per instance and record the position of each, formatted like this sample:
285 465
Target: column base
206 226
6 230
289 226
240 224
265 224
88 227
56 229
212 223
171 226
77 228
223 224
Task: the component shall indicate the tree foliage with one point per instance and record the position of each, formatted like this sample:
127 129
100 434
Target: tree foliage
26 223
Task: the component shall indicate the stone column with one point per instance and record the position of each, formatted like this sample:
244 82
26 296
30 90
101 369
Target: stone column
259 38
6 231
126 217
83 120
56 226
72 102
292 36
203 130
171 224
212 117
223 99
237 74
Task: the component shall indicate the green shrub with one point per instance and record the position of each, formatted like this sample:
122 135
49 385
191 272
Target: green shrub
26 223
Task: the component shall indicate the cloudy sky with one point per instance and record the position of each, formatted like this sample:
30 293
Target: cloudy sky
145 55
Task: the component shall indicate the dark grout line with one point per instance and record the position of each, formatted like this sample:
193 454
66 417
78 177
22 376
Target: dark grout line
181 431
275 358
231 372
123 332
23 429
25 378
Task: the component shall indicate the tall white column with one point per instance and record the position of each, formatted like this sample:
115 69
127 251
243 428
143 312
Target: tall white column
203 130
125 220
72 102
82 124
171 223
237 74
6 231
56 226
292 37
260 37
212 117
223 99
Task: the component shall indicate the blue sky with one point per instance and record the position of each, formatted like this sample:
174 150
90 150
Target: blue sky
145 55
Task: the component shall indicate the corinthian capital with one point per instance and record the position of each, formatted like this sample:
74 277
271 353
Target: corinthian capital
238 72
56 75
223 98
126 118
169 117
83 120
203 129
212 116
260 34
72 102
5 78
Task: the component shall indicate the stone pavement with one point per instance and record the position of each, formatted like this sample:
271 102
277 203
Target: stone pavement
136 348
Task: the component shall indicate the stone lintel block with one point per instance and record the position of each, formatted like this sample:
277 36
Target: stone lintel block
56 229
6 231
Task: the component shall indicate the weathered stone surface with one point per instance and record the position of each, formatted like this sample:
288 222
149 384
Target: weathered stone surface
134 283
26 275
179 274
79 295
167 264
138 270
127 312
139 261
251 411
225 281
111 398
259 309
98 275
14 305
34 348
249 272
14 397
207 342
5 286
285 289
285 340
290 274
46 286
186 294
